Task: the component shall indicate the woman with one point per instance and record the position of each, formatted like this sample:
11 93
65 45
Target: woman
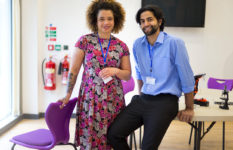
106 62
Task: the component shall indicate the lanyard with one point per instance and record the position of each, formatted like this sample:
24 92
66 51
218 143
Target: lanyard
150 54
104 57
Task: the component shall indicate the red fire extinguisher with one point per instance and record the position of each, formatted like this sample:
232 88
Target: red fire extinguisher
64 69
49 77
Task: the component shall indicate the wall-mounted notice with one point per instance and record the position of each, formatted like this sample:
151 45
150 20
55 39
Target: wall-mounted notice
57 47
51 33
50 47
51 39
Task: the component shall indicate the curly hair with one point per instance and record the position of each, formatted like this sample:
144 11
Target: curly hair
115 7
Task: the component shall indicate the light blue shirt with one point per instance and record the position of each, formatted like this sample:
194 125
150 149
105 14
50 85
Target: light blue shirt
170 65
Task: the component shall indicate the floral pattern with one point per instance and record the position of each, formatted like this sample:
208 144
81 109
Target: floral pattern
98 103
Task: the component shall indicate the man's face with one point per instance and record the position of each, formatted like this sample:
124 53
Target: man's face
148 23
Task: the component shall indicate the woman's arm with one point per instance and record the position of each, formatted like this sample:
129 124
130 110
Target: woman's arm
123 73
76 62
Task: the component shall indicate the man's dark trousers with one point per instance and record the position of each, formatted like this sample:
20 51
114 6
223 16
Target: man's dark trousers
154 112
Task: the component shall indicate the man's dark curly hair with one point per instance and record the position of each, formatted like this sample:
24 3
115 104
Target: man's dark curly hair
155 10
115 7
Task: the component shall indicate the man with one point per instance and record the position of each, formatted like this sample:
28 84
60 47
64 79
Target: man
163 72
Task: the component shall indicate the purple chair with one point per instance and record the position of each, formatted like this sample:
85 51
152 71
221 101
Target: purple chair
58 133
220 84
128 86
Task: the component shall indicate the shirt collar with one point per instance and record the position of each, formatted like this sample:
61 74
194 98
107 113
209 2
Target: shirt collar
160 38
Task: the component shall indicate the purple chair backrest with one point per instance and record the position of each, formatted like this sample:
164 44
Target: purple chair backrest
220 84
128 85
58 120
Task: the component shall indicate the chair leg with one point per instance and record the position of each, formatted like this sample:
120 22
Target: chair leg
140 137
131 141
13 146
72 145
135 143
190 137
69 144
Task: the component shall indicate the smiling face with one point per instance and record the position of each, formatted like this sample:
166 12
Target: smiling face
149 24
105 21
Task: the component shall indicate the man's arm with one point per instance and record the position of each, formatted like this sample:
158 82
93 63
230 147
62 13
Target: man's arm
189 100
140 84
188 113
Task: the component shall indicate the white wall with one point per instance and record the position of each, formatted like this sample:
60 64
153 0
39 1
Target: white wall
210 48
30 57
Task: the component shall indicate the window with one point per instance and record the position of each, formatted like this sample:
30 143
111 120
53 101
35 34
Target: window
5 58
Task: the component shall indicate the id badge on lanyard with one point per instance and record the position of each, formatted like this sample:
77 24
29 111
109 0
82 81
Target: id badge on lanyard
149 79
106 80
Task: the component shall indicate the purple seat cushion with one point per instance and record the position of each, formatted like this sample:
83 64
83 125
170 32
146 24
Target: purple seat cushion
41 137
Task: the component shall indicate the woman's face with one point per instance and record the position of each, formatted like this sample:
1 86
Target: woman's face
105 21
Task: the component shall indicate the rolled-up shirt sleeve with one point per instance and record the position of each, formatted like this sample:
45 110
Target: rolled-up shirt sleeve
183 67
138 74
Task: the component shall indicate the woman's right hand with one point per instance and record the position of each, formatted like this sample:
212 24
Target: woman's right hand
64 101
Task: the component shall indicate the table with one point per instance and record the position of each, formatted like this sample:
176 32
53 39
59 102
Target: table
212 113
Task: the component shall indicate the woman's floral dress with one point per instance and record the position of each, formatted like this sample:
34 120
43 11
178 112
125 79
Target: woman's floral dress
98 103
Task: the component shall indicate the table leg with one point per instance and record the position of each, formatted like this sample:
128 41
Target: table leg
197 135
223 135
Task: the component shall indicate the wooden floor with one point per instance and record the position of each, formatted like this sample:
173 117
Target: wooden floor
176 137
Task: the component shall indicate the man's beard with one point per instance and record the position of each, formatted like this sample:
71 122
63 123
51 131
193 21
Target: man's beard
153 30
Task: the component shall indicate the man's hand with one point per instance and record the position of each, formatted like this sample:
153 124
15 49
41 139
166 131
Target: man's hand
186 115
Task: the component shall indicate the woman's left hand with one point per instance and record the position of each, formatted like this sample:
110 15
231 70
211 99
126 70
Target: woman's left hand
108 72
